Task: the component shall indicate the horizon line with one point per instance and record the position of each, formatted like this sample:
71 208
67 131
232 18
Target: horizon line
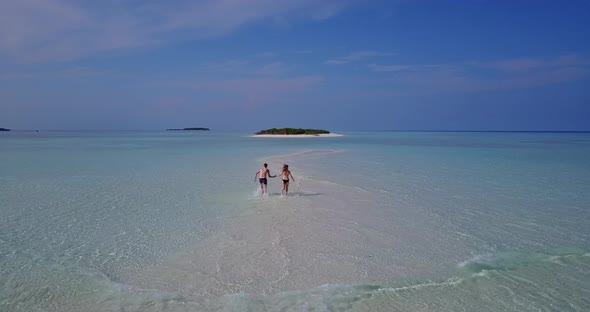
350 130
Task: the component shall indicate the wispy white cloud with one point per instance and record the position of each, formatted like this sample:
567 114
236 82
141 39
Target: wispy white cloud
520 65
15 75
497 75
245 68
412 68
266 54
36 30
250 92
170 101
356 56
55 73
388 68
229 66
272 69
39 30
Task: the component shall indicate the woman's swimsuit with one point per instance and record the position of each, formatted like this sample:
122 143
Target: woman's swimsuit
285 181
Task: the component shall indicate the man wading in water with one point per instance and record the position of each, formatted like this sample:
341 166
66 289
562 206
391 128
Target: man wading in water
263 181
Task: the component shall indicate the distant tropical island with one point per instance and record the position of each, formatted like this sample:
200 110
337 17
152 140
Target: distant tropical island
289 131
4 129
189 129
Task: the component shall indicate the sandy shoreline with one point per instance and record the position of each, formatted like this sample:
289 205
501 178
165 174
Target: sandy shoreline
323 135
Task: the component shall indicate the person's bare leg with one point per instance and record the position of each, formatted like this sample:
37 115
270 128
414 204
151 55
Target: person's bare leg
261 189
286 187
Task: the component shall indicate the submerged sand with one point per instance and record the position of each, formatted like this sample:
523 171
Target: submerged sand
311 238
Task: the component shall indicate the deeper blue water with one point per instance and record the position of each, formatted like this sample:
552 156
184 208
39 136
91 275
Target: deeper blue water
376 221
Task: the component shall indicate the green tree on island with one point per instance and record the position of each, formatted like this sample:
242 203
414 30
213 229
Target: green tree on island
292 131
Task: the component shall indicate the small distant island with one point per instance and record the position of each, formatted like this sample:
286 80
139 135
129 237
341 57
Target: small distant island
294 133
4 129
290 131
189 129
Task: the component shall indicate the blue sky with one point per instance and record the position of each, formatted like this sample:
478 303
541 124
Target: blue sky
337 65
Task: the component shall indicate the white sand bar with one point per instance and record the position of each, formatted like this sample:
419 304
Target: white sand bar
323 135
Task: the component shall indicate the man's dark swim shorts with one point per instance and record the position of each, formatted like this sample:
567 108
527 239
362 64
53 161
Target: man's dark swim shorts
262 180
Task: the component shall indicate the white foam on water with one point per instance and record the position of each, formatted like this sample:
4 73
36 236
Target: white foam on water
256 193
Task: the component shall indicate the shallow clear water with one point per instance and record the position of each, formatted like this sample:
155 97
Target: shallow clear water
376 221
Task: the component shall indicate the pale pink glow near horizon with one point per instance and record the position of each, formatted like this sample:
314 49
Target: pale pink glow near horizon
170 101
250 93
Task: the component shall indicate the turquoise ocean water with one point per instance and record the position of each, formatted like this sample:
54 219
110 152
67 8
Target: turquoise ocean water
376 221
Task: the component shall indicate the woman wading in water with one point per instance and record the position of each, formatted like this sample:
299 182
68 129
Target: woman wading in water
285 175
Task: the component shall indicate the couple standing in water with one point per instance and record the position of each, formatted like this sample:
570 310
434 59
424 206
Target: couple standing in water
265 172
